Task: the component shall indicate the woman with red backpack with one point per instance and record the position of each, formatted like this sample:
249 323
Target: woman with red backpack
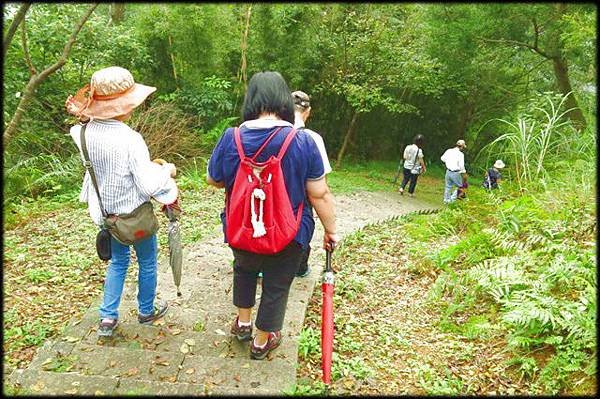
273 176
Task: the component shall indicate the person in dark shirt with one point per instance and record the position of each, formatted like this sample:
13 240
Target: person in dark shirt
268 108
493 175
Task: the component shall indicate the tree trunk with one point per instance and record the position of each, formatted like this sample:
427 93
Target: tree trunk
346 140
19 16
561 72
244 47
173 61
117 13
37 79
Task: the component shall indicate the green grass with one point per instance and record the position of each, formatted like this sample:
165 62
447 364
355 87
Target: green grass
513 279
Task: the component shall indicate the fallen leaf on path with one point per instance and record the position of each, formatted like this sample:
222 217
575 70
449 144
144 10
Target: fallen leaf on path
70 339
112 363
237 378
132 371
176 331
220 332
71 391
189 371
190 342
38 387
184 349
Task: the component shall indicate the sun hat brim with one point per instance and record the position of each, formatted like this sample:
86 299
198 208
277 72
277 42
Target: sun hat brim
106 109
499 164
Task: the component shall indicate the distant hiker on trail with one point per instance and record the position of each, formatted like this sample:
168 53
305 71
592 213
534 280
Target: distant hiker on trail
268 220
414 165
493 176
302 110
125 177
456 175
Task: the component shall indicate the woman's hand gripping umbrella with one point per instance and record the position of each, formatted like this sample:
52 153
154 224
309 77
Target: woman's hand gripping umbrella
327 316
173 211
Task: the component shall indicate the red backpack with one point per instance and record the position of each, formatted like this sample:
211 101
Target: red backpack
259 213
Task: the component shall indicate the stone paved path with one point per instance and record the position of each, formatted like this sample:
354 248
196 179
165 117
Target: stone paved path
190 351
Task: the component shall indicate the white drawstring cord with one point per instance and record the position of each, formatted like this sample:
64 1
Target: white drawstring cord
257 220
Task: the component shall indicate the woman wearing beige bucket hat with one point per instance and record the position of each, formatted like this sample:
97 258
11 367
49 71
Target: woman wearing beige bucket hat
125 178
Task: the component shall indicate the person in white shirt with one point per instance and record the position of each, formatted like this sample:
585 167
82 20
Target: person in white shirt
414 165
456 174
126 178
302 112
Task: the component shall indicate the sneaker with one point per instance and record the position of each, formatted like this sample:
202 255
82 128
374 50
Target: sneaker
272 343
159 311
243 333
303 273
106 327
401 191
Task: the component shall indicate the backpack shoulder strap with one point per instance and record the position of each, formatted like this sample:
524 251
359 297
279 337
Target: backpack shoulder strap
238 142
264 145
286 143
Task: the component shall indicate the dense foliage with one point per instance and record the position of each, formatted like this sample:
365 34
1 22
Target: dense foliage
378 73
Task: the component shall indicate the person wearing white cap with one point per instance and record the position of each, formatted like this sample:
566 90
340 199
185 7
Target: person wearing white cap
493 176
126 178
302 110
456 174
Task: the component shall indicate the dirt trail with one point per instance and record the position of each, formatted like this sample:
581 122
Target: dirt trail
190 351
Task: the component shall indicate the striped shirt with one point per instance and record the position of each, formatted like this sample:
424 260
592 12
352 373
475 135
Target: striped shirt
125 174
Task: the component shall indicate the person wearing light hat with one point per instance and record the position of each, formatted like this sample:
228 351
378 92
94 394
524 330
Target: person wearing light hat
456 174
126 178
302 110
493 175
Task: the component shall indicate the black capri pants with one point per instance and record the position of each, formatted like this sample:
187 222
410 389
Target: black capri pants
278 271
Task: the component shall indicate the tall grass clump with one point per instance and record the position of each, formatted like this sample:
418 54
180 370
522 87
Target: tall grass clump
539 137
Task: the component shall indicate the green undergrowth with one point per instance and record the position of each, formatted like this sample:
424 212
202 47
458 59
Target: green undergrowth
380 176
512 271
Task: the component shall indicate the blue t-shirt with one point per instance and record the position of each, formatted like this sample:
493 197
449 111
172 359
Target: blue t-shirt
301 162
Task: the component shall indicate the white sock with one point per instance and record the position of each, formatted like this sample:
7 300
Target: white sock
105 320
260 346
244 324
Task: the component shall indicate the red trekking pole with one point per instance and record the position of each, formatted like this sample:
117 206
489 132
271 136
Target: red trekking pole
327 318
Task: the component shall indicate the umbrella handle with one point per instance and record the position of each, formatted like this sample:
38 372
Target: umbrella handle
328 257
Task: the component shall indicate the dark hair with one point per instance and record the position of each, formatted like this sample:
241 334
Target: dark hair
268 92
419 139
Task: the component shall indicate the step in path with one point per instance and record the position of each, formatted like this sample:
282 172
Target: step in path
190 351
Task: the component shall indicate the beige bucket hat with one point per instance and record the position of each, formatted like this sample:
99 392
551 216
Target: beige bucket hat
499 164
112 92
461 143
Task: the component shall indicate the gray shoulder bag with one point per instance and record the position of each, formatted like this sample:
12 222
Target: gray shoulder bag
127 228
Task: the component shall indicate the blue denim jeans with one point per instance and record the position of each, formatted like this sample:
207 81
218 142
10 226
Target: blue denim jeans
452 179
147 253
